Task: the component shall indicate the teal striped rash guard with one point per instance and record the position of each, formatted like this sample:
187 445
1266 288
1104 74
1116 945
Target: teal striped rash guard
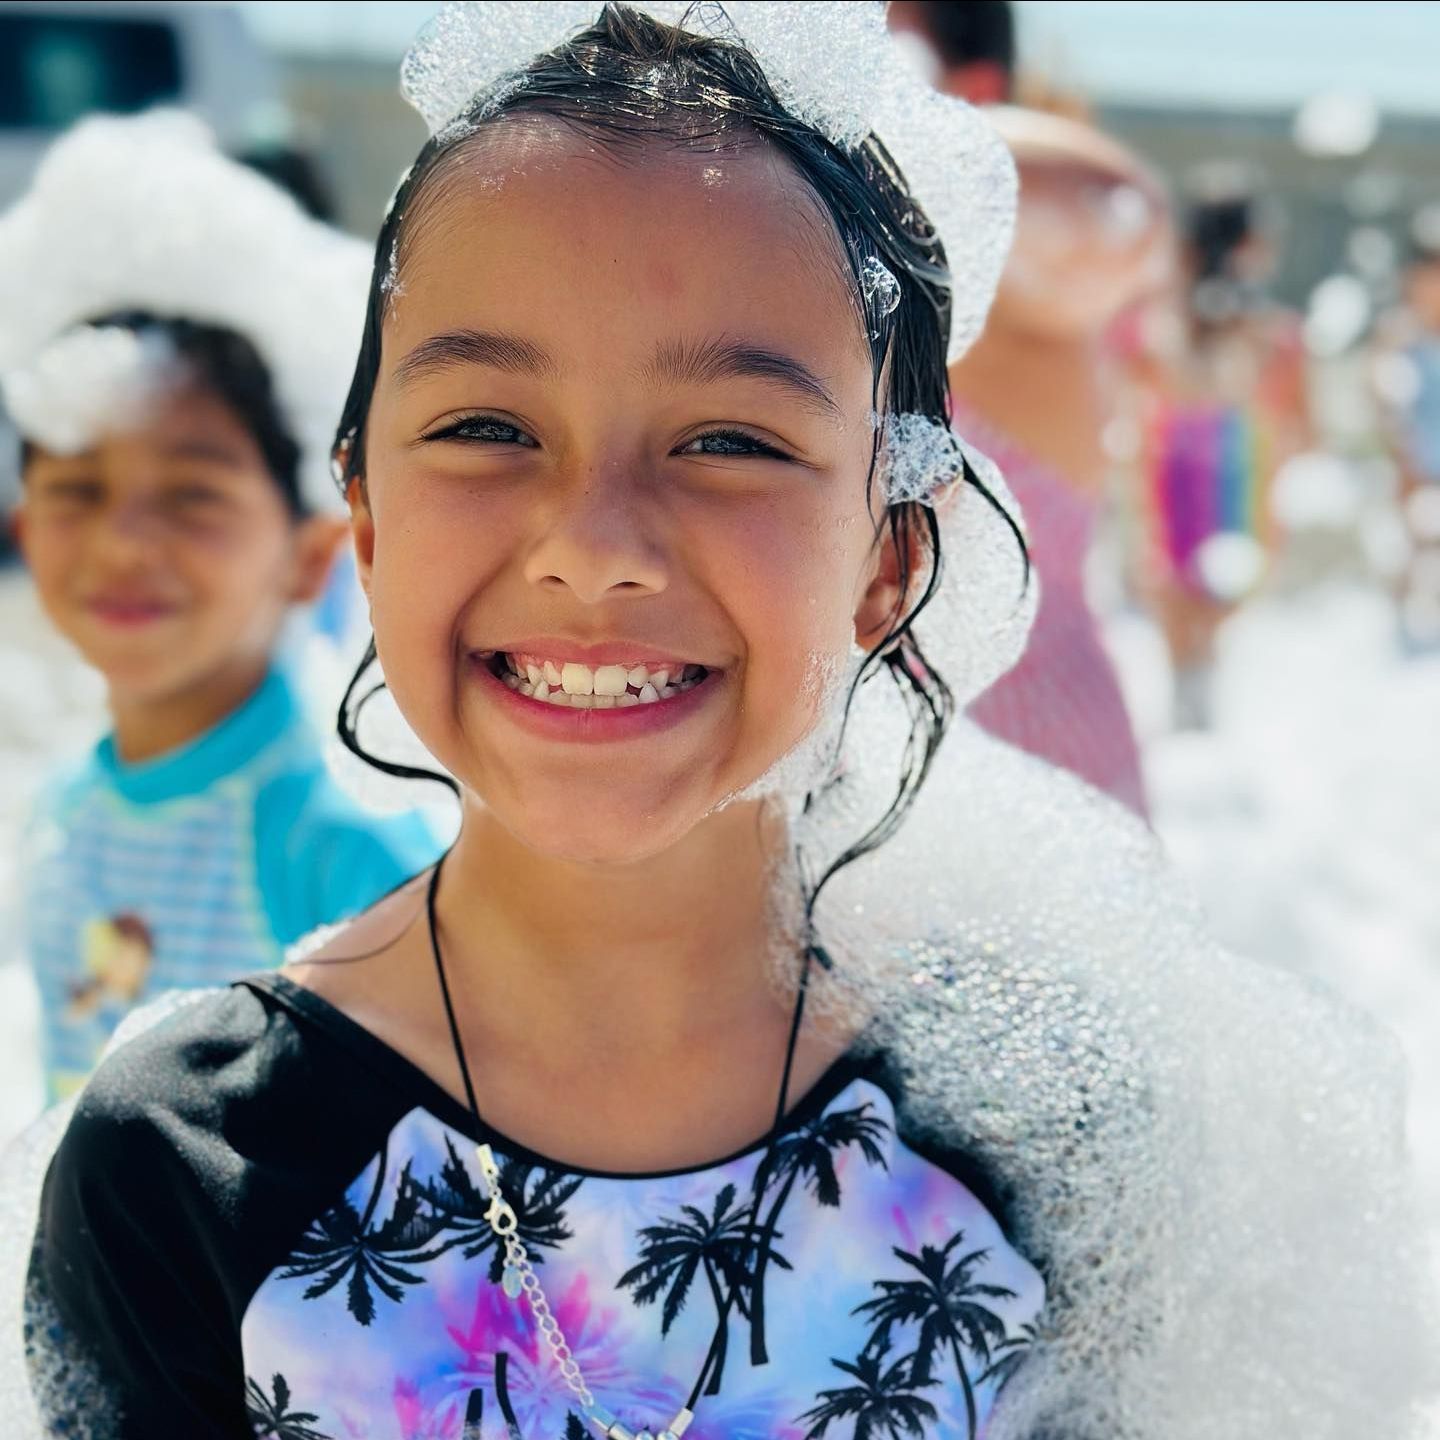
193 868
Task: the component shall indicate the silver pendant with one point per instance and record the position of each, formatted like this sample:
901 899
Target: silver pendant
510 1281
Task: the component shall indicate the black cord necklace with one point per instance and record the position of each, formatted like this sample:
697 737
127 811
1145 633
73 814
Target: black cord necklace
519 1275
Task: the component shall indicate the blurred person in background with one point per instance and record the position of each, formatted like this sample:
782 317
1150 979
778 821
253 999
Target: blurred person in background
172 331
1408 382
1220 375
1035 392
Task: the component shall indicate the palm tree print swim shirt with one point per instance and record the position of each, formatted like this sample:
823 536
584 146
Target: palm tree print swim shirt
264 1224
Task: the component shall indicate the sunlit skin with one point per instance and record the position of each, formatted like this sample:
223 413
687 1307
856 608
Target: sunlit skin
606 921
1422 292
168 557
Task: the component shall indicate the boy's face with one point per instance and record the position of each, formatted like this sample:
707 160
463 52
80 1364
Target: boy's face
167 555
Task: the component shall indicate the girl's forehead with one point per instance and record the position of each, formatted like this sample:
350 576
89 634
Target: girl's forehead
548 230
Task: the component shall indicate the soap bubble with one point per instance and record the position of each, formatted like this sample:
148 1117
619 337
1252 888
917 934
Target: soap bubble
1337 122
1337 316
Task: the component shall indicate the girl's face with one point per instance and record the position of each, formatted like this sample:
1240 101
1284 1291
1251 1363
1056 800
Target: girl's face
619 444
167 554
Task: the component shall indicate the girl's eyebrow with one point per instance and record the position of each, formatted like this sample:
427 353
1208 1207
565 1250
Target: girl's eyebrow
705 361
455 348
676 362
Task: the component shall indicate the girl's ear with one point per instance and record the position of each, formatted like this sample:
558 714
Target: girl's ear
317 538
362 531
883 596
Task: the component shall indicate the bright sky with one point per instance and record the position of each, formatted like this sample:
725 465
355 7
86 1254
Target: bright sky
1272 53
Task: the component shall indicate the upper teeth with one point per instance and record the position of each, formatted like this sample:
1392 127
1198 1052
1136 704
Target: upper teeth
568 682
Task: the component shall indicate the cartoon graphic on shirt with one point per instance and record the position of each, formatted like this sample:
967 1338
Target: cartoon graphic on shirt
118 955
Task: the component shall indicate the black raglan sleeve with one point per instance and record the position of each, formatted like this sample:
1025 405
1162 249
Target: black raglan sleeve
195 1158
138 1315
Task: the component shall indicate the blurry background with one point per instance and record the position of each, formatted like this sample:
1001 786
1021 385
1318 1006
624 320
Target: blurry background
1290 727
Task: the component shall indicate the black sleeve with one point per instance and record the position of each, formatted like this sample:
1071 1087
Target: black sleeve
120 1258
196 1156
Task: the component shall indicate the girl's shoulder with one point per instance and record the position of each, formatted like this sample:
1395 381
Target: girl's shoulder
224 1122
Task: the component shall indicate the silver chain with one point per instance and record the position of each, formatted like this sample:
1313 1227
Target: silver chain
501 1218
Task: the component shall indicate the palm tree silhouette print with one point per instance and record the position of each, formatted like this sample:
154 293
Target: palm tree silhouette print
809 1153
945 1302
271 1417
1017 1350
725 1245
537 1195
882 1403
574 1426
344 1243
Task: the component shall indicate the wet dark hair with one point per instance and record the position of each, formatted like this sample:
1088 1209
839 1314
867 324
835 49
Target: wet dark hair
228 365
971 32
628 81
1216 229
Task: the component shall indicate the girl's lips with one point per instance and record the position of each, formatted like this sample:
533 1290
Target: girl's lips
555 722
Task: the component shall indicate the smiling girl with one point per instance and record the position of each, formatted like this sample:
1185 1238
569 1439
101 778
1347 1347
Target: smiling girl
549 1143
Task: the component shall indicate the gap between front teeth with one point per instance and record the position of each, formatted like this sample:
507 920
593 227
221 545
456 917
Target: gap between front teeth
604 687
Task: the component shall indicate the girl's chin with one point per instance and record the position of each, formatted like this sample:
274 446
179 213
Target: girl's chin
569 820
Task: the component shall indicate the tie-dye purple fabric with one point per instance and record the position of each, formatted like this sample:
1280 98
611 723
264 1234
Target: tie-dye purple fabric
886 1300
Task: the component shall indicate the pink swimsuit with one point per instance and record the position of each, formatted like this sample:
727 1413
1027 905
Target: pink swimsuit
1062 702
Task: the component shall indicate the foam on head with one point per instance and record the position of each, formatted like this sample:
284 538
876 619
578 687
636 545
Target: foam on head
92 381
840 72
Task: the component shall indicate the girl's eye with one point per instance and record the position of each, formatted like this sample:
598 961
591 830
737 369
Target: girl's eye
731 443
483 430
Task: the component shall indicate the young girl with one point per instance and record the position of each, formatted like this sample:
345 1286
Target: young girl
552 1143
173 510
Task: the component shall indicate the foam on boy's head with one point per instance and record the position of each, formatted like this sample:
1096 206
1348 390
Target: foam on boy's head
144 214
108 378
95 380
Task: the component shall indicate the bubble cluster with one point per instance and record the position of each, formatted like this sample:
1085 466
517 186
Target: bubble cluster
93 379
839 71
146 214
1202 1154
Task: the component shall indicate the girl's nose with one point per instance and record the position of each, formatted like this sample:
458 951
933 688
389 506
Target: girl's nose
597 540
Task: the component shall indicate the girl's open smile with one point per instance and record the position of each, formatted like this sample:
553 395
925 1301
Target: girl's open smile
597 698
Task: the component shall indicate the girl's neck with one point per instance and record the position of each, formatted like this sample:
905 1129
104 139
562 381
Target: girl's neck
677 945
147 727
